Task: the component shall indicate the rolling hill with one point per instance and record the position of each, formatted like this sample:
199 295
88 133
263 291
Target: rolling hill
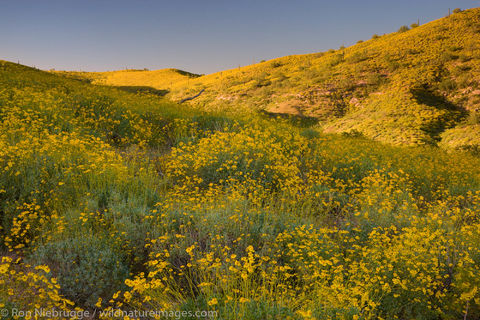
113 198
409 87
420 85
134 80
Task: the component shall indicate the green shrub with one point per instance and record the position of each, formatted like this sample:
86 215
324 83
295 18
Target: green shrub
463 68
413 51
353 134
473 118
391 63
357 57
276 64
447 85
454 48
457 10
86 268
310 133
464 80
403 29
336 59
464 58
376 79
447 56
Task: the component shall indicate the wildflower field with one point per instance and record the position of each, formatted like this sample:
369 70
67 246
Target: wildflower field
113 200
119 200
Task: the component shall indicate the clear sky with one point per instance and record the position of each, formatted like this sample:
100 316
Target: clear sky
201 36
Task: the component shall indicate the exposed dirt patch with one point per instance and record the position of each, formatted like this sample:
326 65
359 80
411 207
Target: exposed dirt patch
288 107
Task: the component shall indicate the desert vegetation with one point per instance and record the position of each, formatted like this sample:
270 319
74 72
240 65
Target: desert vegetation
368 208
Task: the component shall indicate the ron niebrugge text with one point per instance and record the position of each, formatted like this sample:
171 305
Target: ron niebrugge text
82 314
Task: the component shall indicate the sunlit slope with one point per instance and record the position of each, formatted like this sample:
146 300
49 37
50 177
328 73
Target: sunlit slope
159 79
117 117
117 201
405 87
417 86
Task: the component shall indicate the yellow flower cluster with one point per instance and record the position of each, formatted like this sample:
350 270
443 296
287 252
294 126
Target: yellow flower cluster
26 288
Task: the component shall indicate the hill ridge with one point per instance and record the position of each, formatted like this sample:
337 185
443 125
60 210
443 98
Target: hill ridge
373 88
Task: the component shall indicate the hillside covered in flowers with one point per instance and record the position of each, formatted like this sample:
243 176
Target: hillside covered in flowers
416 86
112 199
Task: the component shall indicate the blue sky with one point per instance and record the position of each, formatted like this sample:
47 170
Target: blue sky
201 36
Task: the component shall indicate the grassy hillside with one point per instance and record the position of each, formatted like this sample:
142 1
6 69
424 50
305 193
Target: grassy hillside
418 86
134 80
111 200
405 87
